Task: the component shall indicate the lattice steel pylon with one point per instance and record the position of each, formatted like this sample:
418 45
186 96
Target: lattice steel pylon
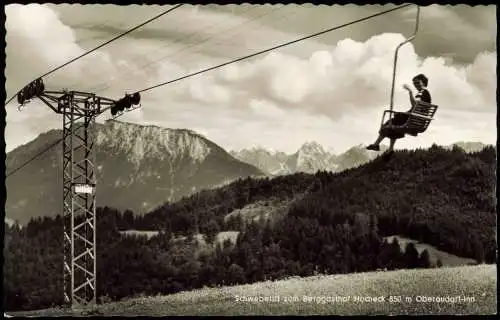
79 110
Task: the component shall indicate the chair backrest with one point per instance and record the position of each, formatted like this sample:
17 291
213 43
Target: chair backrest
416 124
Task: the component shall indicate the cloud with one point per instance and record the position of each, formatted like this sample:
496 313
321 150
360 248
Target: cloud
480 74
443 29
204 90
342 92
29 30
326 90
37 41
356 75
266 109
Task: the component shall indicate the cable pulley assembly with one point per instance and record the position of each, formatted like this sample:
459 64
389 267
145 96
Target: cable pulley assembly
125 103
33 89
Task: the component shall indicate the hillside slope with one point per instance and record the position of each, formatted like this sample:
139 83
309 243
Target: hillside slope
433 195
469 291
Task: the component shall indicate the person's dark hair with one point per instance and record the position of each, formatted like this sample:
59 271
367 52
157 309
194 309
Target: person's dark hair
421 77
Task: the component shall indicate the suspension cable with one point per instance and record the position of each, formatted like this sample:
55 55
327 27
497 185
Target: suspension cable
276 47
102 45
106 85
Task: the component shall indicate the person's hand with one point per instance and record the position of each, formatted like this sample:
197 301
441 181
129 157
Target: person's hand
406 87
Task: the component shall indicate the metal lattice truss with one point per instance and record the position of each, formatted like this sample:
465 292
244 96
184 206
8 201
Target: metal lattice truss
79 110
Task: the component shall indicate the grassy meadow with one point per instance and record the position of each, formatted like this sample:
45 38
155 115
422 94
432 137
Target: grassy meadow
468 290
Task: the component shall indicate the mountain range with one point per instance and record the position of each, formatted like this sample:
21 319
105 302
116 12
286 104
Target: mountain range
311 157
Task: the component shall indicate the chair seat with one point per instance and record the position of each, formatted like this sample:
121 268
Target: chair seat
419 118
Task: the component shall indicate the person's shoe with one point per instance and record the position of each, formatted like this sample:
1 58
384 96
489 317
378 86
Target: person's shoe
374 147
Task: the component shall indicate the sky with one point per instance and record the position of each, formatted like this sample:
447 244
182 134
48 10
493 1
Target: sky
331 89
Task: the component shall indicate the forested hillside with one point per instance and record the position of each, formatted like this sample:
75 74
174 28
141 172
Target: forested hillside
334 223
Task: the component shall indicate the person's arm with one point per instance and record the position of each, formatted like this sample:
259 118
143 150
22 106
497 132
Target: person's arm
410 93
412 99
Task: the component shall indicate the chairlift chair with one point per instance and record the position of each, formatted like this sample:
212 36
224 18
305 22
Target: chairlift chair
421 114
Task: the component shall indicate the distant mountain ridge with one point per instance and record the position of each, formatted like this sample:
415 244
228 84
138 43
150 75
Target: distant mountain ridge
312 156
273 161
138 168
309 158
468 146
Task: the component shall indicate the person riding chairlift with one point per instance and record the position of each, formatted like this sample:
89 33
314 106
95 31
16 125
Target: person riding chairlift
420 82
